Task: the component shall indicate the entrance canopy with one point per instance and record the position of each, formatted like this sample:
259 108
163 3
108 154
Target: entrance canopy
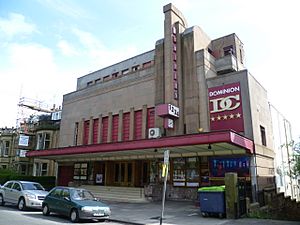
202 144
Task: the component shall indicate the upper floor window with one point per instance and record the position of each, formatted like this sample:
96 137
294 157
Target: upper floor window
76 133
229 50
4 148
135 68
125 71
89 83
43 141
147 64
263 136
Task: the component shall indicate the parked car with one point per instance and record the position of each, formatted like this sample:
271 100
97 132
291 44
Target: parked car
75 203
23 193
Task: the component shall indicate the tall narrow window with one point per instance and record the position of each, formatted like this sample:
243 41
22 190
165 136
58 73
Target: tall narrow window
44 169
47 141
263 136
76 134
6 148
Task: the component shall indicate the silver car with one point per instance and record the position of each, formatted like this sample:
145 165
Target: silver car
23 193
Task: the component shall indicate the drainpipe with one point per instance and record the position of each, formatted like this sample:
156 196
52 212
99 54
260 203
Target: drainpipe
288 154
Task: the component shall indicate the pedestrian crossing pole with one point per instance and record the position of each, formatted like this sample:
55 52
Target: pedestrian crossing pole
164 174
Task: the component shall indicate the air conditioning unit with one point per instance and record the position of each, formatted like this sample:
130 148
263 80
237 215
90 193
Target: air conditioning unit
154 133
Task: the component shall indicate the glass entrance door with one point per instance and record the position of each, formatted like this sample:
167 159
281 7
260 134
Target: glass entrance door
123 173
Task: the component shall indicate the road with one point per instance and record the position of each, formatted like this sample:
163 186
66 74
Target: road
10 215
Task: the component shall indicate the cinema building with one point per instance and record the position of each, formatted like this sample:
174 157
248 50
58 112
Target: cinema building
190 95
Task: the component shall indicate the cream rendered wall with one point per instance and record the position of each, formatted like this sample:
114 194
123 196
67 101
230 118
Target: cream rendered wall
261 116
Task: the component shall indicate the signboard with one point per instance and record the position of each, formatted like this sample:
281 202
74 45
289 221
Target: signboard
221 165
23 140
225 106
166 156
99 178
173 110
22 153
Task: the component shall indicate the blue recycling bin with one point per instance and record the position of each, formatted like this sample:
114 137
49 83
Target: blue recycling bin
212 201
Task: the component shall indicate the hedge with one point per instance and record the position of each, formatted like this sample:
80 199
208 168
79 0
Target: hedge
48 182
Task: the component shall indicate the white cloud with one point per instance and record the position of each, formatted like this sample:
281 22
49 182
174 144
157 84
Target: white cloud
32 73
98 54
16 25
67 49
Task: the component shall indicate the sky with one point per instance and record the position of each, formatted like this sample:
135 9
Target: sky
45 45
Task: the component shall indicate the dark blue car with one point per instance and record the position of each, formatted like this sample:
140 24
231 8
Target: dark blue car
76 203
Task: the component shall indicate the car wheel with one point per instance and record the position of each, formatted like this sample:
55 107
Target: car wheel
74 216
46 210
1 200
22 204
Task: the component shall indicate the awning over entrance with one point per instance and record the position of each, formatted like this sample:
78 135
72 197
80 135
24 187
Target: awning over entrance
210 143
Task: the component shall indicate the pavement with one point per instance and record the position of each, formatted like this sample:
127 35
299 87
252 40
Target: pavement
177 212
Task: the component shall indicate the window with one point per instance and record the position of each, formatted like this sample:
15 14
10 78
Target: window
263 136
106 78
147 64
89 83
229 50
135 68
241 56
97 81
6 148
8 185
23 169
17 187
125 71
43 141
192 172
186 172
179 177
115 75
76 134
66 193
44 169
56 193
80 171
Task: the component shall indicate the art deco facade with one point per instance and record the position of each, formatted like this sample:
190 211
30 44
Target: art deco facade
191 95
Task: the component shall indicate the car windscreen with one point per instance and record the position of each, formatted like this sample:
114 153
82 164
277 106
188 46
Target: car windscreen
82 195
32 186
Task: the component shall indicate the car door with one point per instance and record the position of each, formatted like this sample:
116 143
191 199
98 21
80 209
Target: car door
7 189
53 200
65 204
16 192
